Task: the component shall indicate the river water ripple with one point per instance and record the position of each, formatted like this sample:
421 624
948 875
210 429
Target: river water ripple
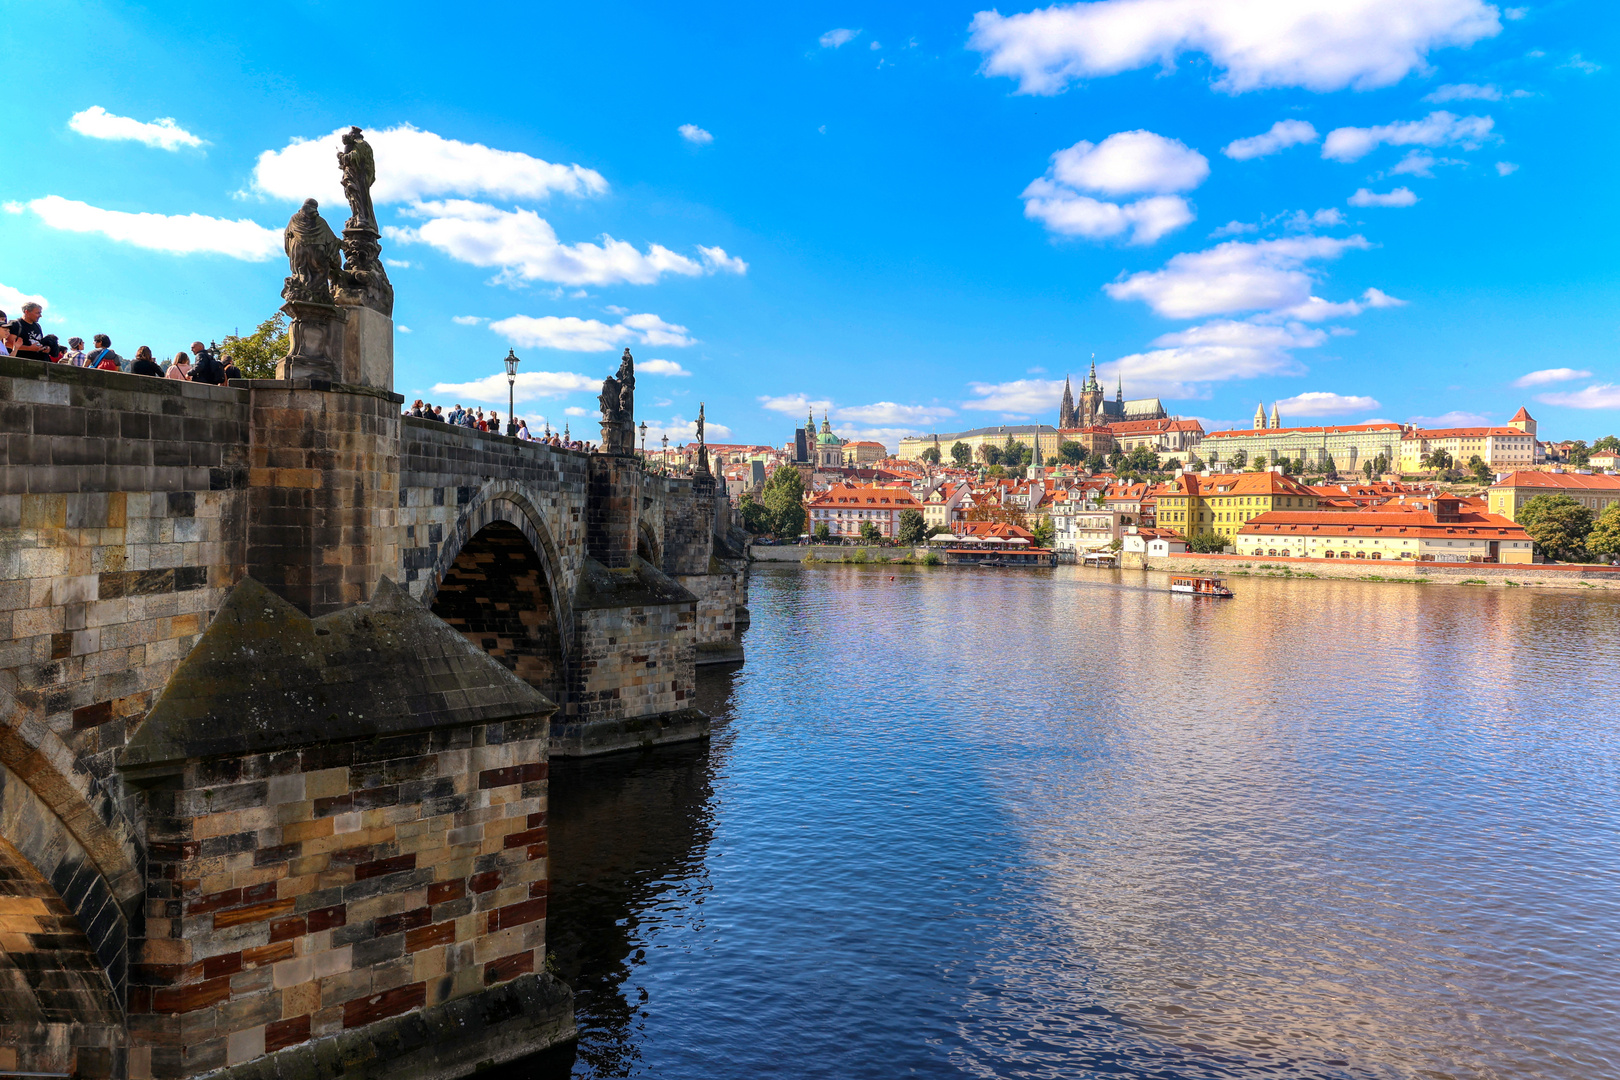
1064 824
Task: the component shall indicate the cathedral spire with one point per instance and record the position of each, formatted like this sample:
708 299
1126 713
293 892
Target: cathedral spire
1276 418
1066 414
1119 389
1260 416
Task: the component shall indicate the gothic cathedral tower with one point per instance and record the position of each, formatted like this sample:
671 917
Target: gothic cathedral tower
1091 400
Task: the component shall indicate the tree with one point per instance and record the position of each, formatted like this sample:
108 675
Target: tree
784 498
961 453
1207 543
1239 459
1608 442
1259 463
755 517
1482 472
1367 468
1580 455
1143 458
870 534
931 455
991 455
1381 464
1438 459
935 530
995 471
1604 539
1044 531
1558 524
1117 458
1071 452
1095 462
257 354
911 528
1172 465
823 533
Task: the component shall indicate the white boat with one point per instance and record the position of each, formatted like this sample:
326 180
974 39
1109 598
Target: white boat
1200 586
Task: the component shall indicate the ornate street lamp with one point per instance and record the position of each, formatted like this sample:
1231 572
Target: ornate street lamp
511 383
644 444
665 461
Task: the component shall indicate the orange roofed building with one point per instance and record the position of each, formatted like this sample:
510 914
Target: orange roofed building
1446 531
1509 494
844 509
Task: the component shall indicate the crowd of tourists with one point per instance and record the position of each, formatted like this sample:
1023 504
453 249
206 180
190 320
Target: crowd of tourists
478 421
26 339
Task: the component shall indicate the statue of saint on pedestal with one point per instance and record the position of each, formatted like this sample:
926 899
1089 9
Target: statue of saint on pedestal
315 334
363 281
359 170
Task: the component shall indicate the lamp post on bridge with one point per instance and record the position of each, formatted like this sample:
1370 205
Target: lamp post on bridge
665 461
644 444
511 383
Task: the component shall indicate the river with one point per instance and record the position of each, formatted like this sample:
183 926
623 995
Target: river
960 822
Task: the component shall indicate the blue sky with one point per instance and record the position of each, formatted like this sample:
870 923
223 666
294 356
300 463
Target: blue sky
919 217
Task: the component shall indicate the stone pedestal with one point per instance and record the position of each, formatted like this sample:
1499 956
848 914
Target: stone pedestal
368 349
315 341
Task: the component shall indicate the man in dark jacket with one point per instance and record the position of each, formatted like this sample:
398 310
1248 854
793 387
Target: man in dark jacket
204 368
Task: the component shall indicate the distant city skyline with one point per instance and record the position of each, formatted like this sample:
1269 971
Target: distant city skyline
910 220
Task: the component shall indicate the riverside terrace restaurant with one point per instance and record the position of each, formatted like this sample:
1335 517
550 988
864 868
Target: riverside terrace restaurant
991 551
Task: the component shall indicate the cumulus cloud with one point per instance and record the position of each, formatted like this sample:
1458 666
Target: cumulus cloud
575 410
1022 396
1315 44
1437 129
684 431
833 39
1421 163
12 299
695 135
888 414
467 320
162 133
1283 134
414 164
660 367
530 386
1399 197
1234 228
525 246
1506 168
1322 403
573 334
1455 418
178 234
1125 163
1317 309
1232 277
716 260
1214 352
794 405
1596 396
1550 375
1463 92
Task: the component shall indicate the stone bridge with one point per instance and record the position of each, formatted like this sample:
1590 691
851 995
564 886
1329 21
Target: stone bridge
280 673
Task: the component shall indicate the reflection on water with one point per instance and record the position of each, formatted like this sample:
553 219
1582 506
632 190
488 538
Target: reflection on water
1065 824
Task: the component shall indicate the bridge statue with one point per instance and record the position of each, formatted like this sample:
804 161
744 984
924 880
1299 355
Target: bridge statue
281 676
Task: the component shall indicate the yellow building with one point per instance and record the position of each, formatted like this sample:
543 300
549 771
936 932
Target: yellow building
864 453
1220 504
1509 494
1437 531
1501 448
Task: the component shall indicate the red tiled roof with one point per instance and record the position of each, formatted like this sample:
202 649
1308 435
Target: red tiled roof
1520 416
1409 522
1558 480
1461 433
878 498
1335 430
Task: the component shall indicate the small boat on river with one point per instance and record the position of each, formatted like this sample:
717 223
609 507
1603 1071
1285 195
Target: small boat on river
1200 586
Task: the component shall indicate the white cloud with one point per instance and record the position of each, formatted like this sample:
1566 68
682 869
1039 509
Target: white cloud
1437 129
1023 396
525 246
1214 352
162 133
1455 418
588 335
1130 163
1322 403
1300 221
833 39
1550 375
413 165
659 367
397 264
529 386
467 320
1596 396
405 329
1506 168
875 46
1463 92
1401 196
12 300
1586 67
1234 228
695 135
179 234
1515 13
888 414
1316 44
1071 214
1421 163
717 260
1283 134
575 410
794 405
1315 309
683 431
1234 276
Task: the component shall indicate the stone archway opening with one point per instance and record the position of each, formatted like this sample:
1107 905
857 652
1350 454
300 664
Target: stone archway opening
58 1011
497 595
647 545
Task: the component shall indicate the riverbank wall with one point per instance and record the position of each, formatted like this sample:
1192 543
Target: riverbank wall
833 553
1539 575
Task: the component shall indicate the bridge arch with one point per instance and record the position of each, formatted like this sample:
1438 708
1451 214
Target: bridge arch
647 544
498 580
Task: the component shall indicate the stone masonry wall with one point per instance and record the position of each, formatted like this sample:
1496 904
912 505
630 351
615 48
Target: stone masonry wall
301 894
632 662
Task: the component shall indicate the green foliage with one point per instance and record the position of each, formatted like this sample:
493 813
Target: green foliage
1096 462
1117 458
1019 457
870 534
935 530
1580 455
1437 459
1143 459
823 533
1071 452
991 455
932 559
1259 462
784 499
911 528
1044 531
1604 539
961 453
755 518
1172 465
1207 543
1558 524
1608 442
1482 472
1367 468
257 354
1381 464
931 455
1239 459
995 470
